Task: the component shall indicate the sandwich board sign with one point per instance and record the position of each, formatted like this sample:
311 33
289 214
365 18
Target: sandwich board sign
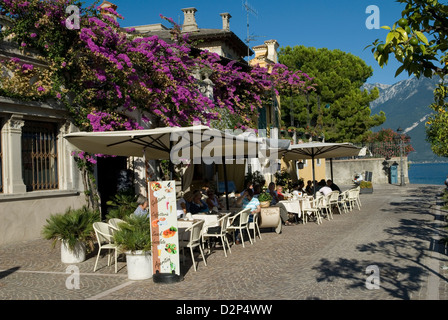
164 231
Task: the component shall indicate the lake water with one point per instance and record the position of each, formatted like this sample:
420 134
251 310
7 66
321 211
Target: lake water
428 173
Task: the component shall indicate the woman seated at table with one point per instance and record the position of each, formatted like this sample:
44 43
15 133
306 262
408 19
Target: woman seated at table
197 205
212 200
280 194
183 204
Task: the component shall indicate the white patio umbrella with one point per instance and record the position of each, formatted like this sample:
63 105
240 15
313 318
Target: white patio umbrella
197 143
319 150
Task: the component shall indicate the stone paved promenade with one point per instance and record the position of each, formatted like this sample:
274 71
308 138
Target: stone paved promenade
397 229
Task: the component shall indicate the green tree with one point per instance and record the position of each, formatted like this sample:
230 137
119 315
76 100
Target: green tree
419 41
339 109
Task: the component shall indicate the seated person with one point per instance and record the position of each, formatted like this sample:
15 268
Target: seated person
358 179
324 189
280 194
297 191
247 200
212 200
197 205
249 185
309 188
283 213
333 186
257 190
183 204
142 208
271 190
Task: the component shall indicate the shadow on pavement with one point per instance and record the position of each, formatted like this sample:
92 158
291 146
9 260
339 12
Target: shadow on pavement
5 273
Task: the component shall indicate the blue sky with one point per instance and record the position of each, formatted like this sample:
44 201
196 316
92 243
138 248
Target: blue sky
313 23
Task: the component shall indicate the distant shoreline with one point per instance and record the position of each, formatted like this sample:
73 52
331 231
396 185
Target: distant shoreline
423 162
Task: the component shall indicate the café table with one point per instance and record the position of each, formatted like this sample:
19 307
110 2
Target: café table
292 206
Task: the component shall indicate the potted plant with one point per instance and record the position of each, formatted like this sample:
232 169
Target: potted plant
366 187
122 205
265 199
134 239
74 229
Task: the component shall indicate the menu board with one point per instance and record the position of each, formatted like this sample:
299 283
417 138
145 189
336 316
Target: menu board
164 232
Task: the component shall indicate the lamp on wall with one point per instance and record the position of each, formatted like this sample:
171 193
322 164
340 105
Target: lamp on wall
399 131
300 165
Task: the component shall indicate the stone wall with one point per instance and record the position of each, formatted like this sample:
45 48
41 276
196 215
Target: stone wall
22 216
344 170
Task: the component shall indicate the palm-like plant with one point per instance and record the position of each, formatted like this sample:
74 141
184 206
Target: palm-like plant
134 234
72 227
122 205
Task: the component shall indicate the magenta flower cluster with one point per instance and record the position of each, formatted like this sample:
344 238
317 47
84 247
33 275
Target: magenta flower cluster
123 72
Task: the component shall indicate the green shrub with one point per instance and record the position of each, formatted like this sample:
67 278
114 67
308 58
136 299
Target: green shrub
366 184
134 234
71 227
264 197
122 206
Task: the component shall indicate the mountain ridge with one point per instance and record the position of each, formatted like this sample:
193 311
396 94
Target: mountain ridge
406 105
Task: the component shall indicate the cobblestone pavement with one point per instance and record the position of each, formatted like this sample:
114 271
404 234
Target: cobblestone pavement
397 230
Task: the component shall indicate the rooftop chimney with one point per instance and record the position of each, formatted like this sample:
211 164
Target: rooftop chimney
272 50
226 21
189 20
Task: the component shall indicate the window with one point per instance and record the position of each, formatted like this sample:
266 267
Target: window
39 156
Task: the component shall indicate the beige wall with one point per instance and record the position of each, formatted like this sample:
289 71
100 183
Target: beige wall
319 169
23 216
344 170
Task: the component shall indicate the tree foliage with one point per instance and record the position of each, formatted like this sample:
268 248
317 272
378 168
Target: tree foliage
419 42
388 142
104 74
339 109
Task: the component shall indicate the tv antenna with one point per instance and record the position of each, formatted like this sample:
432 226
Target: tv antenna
249 10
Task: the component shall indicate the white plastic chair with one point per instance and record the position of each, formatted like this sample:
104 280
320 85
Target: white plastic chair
194 241
353 198
105 241
243 225
255 227
343 200
333 200
223 223
358 199
324 205
114 222
310 207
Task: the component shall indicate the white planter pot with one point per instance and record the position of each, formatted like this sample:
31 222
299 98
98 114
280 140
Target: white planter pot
139 265
78 255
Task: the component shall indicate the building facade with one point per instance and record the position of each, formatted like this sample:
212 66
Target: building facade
38 176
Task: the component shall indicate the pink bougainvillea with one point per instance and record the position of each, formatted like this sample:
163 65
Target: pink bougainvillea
101 70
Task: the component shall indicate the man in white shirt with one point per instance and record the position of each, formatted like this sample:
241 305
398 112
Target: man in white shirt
324 189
